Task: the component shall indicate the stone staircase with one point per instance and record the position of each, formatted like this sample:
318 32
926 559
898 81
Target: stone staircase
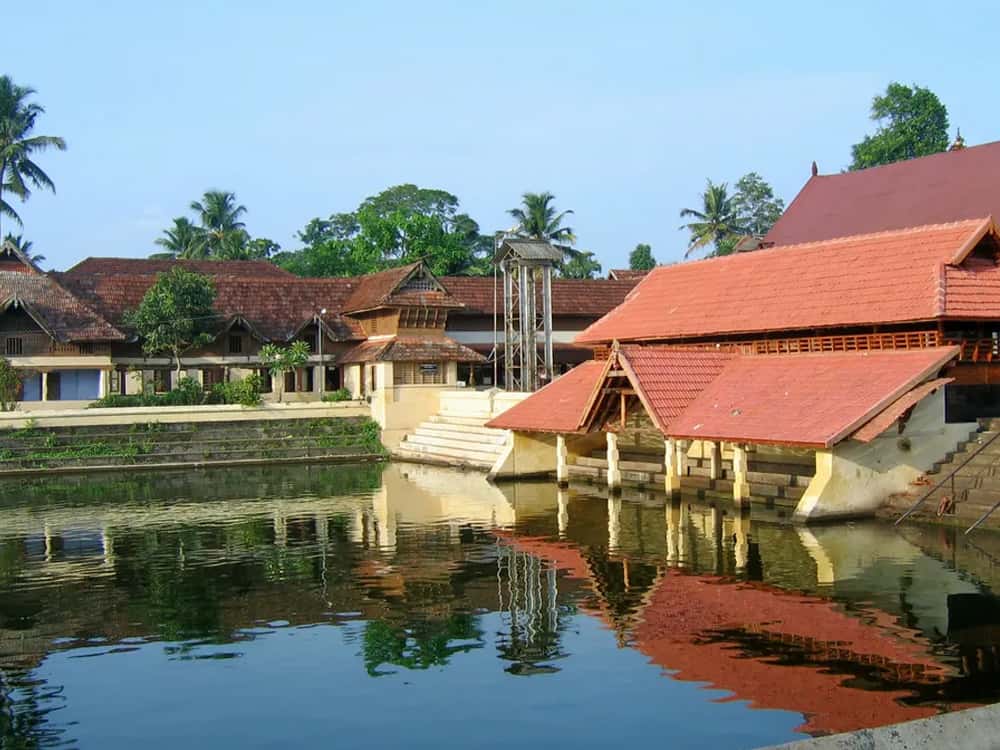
33 450
774 480
453 440
974 489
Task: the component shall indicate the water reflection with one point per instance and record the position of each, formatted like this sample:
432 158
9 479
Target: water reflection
412 571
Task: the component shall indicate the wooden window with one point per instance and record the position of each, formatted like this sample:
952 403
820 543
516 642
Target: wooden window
85 348
235 344
420 373
14 346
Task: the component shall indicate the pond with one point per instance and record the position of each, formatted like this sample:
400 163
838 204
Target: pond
410 606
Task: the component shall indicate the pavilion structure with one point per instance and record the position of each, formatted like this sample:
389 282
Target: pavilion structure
849 366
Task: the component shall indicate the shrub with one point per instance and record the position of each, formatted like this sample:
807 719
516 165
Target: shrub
10 383
341 394
244 392
187 393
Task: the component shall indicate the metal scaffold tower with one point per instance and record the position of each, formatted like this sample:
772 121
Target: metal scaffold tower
526 265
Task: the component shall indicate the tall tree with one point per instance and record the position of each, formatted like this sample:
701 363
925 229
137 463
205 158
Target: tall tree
175 315
641 259
537 218
756 205
717 224
19 174
581 265
221 219
24 246
183 240
912 122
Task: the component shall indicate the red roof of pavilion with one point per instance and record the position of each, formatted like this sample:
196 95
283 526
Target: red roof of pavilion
410 349
891 277
950 186
558 407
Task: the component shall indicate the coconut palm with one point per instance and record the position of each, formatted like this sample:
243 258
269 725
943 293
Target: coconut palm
537 218
25 247
183 240
220 219
718 222
19 174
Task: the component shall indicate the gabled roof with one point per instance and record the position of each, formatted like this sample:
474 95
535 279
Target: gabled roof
625 274
529 250
154 266
558 407
570 297
945 187
389 288
888 277
408 349
56 311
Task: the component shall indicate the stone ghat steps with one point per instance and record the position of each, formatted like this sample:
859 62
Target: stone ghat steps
453 441
35 449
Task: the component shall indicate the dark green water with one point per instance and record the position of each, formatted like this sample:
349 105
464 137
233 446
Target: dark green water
406 606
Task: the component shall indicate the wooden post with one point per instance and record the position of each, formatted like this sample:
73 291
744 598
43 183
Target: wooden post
562 461
741 487
614 470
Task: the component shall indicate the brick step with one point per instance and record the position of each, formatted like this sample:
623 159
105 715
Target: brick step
430 441
493 437
471 456
459 419
46 438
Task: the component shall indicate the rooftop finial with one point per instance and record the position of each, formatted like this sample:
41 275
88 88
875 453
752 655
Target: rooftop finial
959 142
815 169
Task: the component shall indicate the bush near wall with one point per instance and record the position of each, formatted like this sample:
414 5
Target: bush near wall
189 392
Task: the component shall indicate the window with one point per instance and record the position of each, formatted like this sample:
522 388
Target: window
422 373
85 348
161 381
235 344
14 346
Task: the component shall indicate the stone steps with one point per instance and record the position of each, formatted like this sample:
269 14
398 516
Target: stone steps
454 440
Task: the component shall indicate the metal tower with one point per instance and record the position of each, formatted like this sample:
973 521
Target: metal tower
524 264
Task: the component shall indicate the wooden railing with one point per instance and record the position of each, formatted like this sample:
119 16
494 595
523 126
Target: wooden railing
842 343
975 350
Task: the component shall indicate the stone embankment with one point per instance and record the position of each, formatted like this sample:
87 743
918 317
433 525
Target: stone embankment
34 449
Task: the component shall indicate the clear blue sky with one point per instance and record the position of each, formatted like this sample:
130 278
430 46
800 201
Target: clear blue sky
620 109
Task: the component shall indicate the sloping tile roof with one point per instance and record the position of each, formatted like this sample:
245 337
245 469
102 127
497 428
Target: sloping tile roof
151 267
383 288
64 316
884 420
804 399
558 407
626 274
670 378
973 289
404 349
570 297
950 186
889 277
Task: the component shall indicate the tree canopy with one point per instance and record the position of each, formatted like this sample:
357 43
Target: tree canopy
580 265
724 218
756 204
641 259
220 233
19 173
912 122
537 218
175 315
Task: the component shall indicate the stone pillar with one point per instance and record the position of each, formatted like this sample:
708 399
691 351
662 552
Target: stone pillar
614 522
672 483
741 487
682 449
102 383
562 461
714 460
319 378
614 470
45 386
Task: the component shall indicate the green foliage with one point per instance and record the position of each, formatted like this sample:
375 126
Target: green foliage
19 174
912 122
281 359
183 240
220 233
175 314
723 218
188 392
10 384
399 225
756 204
580 265
538 219
244 392
341 394
641 259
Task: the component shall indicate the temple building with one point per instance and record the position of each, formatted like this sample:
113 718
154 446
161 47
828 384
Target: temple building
825 372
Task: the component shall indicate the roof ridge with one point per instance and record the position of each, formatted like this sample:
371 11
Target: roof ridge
937 154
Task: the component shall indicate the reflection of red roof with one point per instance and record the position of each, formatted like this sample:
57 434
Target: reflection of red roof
402 349
804 399
558 407
570 297
950 186
892 277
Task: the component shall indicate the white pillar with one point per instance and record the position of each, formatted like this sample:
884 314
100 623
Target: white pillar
614 471
614 522
682 449
714 460
673 510
562 461
672 483
741 487
102 383
45 386
562 517
741 530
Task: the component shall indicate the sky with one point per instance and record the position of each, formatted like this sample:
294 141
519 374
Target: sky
622 110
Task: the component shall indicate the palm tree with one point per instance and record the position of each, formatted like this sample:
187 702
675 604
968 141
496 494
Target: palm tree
25 247
18 173
717 223
183 240
220 218
537 218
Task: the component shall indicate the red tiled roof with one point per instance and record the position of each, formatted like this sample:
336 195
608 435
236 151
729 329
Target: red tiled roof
61 314
383 288
972 289
558 407
404 349
891 277
626 274
804 399
950 186
884 420
570 297
668 379
152 266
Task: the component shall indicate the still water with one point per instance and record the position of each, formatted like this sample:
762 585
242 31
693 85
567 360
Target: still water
409 606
